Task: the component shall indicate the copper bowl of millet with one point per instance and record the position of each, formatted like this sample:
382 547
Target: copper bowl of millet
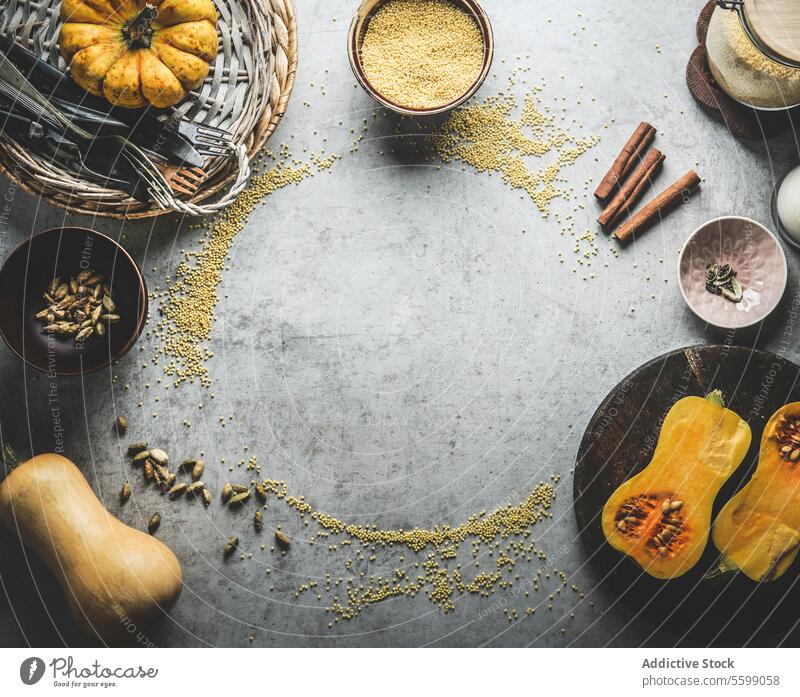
420 57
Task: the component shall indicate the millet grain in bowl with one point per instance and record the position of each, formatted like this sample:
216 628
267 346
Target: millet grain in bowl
422 54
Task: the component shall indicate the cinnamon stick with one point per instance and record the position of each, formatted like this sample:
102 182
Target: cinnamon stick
632 190
626 160
660 205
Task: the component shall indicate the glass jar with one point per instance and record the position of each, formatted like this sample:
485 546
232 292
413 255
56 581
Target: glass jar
753 51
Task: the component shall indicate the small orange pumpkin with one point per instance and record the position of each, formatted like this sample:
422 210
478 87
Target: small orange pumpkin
137 52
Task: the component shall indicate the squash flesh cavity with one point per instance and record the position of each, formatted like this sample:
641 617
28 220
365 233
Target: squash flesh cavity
758 530
661 517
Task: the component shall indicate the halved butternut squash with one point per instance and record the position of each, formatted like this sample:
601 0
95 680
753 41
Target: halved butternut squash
662 516
758 530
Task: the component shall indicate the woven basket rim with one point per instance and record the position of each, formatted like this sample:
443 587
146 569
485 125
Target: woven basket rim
264 128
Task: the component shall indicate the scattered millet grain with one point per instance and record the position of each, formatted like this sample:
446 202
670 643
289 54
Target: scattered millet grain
488 137
189 302
504 535
421 54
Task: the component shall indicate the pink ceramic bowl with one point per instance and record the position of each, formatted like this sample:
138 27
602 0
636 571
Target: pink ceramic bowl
752 251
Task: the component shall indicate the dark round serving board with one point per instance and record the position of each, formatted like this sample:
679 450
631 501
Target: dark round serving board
619 442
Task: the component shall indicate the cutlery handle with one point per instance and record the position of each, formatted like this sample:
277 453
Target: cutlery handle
13 77
48 77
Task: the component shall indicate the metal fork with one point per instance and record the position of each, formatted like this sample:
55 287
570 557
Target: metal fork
182 180
140 165
209 140
36 131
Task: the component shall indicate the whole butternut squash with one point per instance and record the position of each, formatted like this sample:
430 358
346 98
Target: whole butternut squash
758 530
116 580
662 516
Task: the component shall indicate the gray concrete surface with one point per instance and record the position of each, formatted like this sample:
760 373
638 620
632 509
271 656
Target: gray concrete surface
393 346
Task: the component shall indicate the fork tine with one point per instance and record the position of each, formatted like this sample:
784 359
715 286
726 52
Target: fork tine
213 131
194 174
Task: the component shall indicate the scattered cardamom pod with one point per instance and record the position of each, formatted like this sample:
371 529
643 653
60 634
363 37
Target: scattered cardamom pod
122 425
282 539
169 480
261 492
195 488
188 464
197 470
155 521
206 497
159 456
148 470
227 492
141 456
239 488
258 521
125 493
136 448
239 499
178 490
230 546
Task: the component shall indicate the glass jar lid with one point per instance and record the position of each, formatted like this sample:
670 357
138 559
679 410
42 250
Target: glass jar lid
772 25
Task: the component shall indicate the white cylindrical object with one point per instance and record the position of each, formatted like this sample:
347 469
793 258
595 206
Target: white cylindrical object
787 204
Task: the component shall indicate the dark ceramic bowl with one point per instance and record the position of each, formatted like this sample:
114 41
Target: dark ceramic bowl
65 252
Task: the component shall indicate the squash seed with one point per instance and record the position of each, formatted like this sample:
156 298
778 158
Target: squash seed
282 539
258 521
675 505
665 506
122 425
125 492
795 455
155 521
621 525
230 546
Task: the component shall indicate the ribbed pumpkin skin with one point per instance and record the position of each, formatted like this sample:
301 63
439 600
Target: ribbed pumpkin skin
114 577
758 530
699 446
103 61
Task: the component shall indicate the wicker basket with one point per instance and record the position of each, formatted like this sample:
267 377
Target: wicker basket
246 92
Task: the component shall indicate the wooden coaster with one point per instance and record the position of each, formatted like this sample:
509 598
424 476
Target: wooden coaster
703 21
